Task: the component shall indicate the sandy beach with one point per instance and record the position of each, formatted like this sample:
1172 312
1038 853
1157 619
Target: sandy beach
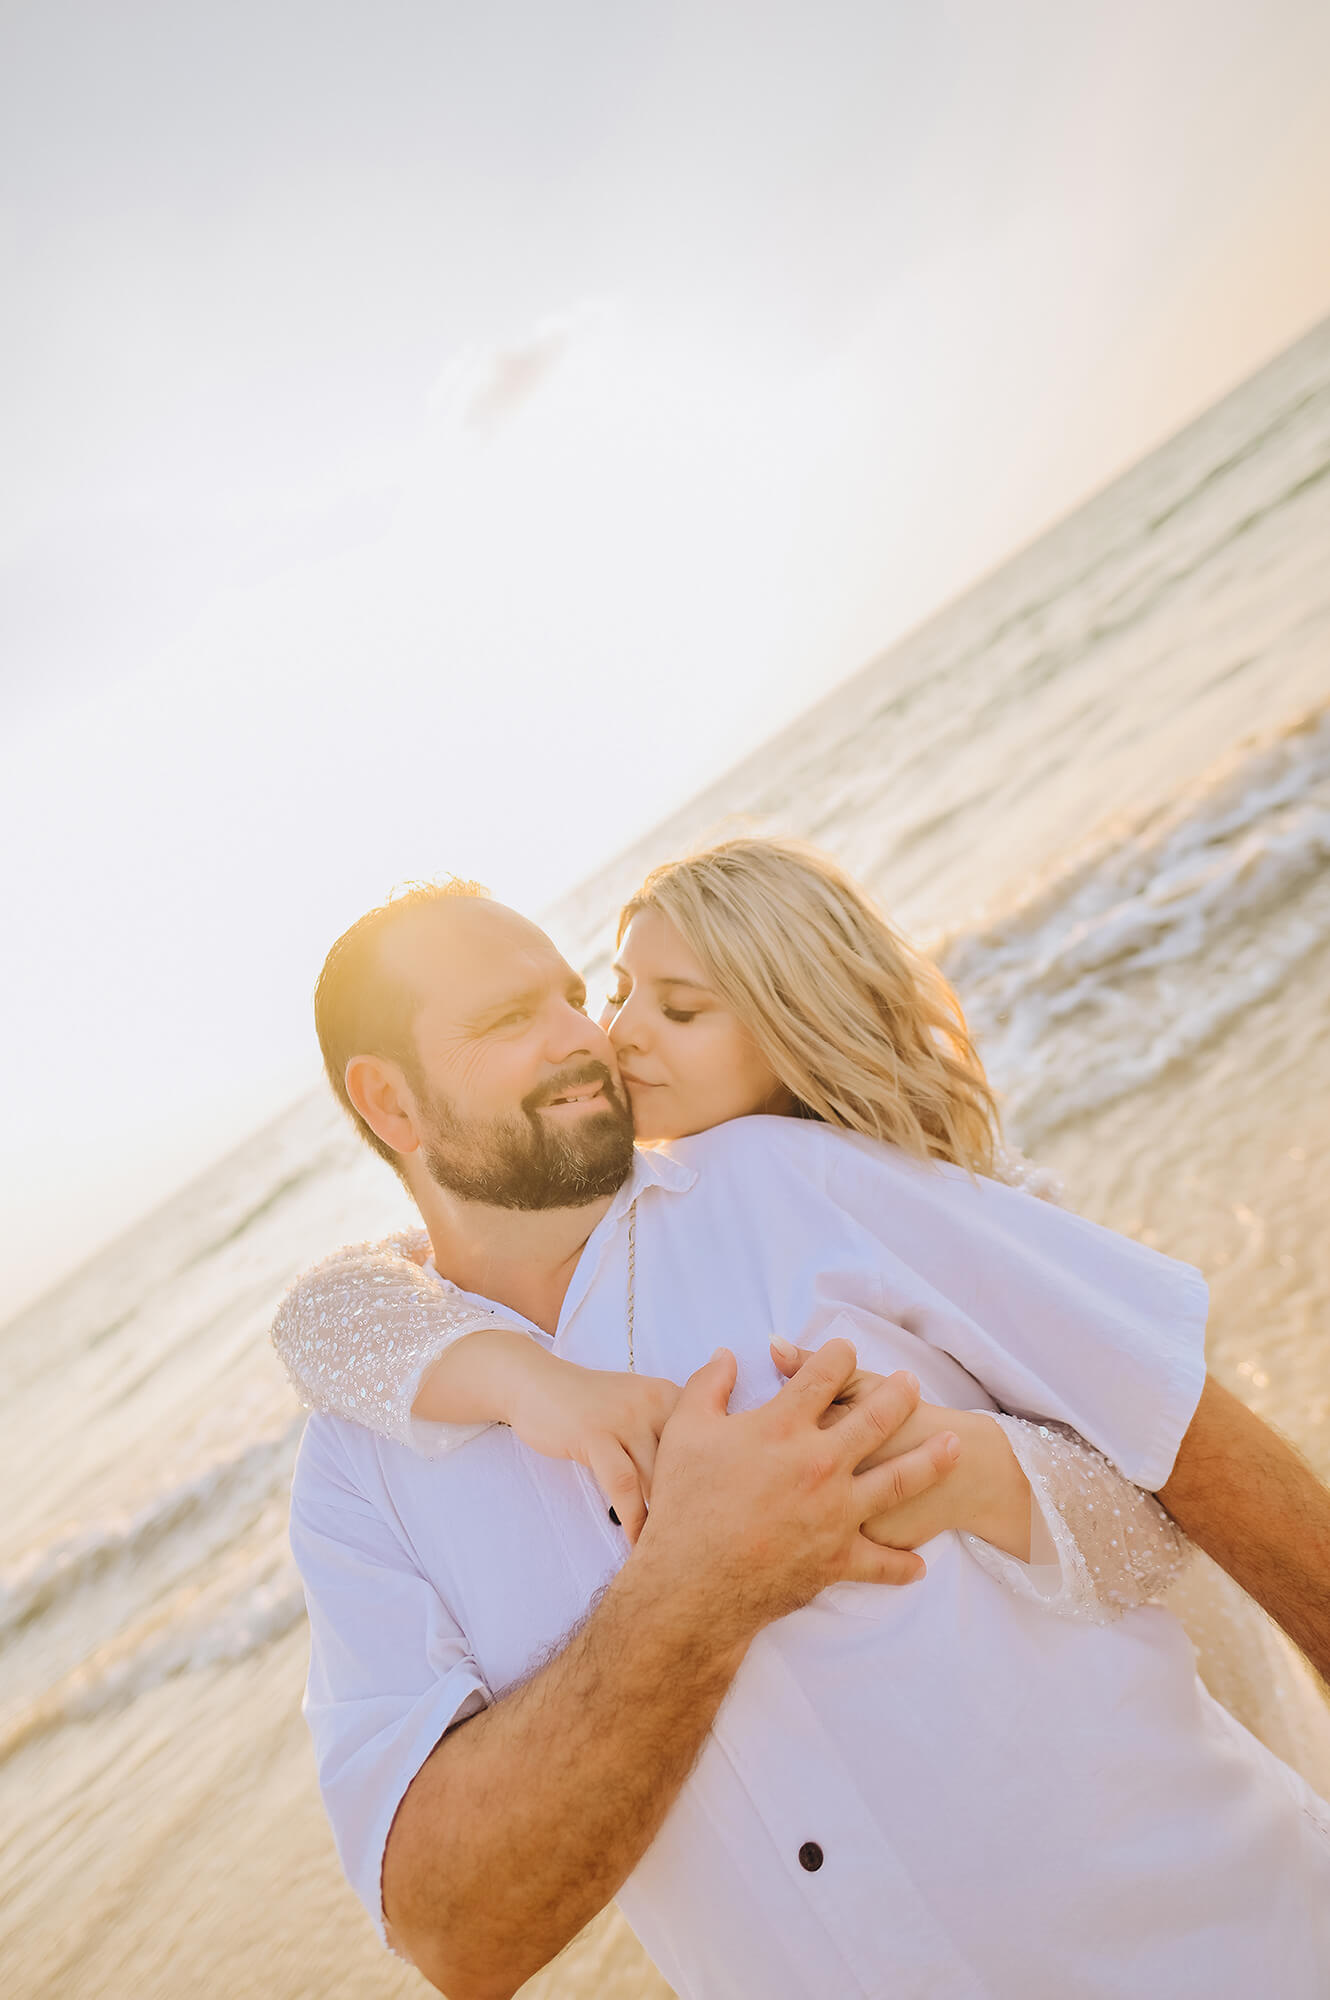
1100 785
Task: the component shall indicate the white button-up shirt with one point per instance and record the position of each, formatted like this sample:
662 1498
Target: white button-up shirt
994 1802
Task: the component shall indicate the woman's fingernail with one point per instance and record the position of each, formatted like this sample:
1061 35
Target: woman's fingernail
784 1348
951 1445
911 1381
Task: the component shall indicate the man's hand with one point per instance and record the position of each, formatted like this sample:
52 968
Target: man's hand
985 1493
764 1509
751 1516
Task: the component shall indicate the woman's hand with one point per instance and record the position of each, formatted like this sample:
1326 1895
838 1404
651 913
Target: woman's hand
608 1421
985 1494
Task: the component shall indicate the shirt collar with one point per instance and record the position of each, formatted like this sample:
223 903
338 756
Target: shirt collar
651 1168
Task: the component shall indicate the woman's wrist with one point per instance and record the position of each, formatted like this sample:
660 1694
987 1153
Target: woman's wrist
521 1377
999 1501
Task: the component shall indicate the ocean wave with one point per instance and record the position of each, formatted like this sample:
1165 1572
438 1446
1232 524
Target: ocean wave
1142 947
230 1492
209 1634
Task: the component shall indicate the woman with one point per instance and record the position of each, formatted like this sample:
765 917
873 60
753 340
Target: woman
755 977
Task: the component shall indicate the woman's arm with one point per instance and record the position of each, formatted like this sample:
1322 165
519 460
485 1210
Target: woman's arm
1100 1544
359 1332
371 1336
1039 1508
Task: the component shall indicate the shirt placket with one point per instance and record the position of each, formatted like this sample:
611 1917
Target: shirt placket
833 1854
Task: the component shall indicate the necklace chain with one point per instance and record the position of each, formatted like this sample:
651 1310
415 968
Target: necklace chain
632 1284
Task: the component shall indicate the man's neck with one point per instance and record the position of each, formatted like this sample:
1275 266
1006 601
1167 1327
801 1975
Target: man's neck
524 1258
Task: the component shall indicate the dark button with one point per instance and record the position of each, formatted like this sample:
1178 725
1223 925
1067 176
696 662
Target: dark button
614 1517
810 1856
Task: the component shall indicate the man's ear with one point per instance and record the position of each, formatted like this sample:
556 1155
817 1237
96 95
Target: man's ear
379 1092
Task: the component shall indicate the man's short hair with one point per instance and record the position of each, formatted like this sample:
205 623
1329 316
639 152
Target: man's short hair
360 1009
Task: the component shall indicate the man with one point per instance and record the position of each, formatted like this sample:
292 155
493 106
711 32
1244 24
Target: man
795 1784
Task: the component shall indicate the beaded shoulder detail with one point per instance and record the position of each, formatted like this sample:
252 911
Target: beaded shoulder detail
357 1332
1011 1167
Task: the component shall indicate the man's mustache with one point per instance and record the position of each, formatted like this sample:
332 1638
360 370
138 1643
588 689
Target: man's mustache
573 1079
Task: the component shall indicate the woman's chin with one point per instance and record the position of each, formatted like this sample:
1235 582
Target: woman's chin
653 1124
650 1131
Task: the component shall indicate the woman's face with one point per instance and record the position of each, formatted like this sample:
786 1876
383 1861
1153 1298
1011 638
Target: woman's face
686 1061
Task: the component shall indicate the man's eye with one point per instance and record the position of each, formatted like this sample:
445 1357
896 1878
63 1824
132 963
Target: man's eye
514 1019
677 1014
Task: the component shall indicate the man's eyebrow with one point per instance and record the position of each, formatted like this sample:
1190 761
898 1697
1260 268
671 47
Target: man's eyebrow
505 1004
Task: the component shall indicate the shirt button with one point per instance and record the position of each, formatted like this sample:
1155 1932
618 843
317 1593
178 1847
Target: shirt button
810 1856
614 1517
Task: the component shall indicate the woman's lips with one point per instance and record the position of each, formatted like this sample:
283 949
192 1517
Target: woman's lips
637 1082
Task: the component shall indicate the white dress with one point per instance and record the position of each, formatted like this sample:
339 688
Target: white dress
358 1331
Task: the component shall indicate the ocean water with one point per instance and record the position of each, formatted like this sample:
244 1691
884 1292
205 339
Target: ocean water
1098 785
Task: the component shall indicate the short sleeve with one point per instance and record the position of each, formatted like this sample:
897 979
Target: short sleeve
358 1332
1099 1545
1057 1317
390 1668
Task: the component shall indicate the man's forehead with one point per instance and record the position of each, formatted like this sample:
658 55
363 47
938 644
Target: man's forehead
460 952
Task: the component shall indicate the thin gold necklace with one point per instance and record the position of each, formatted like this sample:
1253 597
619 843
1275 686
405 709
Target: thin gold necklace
632 1282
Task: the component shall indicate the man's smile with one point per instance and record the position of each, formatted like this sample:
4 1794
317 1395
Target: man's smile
579 1095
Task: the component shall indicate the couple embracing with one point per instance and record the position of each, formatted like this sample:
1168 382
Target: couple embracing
607 1514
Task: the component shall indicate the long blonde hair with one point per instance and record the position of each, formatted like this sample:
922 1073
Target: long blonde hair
861 1028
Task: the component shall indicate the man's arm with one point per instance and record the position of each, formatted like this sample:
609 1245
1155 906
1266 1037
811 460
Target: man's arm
524 1821
1244 1495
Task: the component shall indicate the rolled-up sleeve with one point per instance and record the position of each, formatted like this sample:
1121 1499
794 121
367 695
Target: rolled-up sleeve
389 1669
1055 1316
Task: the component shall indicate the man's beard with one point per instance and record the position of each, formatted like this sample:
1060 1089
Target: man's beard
524 1161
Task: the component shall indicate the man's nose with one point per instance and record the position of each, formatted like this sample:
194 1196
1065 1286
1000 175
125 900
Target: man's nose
626 1029
573 1033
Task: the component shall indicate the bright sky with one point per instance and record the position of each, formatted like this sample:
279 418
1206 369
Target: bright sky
444 436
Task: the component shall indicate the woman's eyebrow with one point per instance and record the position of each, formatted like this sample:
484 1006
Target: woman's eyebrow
665 979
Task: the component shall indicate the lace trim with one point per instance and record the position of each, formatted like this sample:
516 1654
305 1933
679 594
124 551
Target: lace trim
358 1331
1113 1545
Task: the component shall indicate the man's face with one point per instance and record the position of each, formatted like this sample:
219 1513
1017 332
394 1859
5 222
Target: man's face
518 1096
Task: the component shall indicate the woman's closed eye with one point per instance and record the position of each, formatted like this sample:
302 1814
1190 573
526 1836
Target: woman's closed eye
678 1014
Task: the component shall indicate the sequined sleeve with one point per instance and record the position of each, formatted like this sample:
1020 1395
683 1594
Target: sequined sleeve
357 1333
1099 1545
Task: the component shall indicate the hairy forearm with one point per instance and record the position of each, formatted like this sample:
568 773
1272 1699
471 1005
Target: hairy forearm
525 1821
1242 1493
